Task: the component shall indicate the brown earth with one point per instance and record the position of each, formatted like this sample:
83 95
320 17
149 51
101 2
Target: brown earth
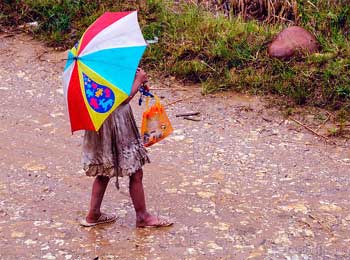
242 183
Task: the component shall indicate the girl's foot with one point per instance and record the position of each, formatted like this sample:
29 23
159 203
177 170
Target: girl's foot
102 219
150 221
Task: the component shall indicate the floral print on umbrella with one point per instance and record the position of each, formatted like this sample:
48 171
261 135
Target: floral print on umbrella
99 97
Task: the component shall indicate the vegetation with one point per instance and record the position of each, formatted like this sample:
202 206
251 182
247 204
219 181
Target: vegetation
222 46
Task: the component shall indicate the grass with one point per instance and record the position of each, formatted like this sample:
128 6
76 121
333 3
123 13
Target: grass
218 51
61 22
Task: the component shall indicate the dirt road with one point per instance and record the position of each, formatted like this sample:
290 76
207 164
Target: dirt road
242 183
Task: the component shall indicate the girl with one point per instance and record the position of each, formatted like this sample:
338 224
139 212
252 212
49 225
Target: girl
116 150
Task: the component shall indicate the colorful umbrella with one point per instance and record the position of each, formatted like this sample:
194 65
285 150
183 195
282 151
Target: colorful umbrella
101 67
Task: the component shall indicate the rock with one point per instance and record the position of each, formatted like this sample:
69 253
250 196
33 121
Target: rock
297 207
60 91
191 251
330 207
197 210
29 242
49 256
257 253
33 166
16 234
205 195
214 246
309 233
222 226
290 40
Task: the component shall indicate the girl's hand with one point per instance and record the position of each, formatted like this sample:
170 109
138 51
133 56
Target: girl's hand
140 79
141 76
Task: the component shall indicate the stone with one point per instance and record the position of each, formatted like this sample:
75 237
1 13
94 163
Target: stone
205 195
291 41
330 207
214 246
16 234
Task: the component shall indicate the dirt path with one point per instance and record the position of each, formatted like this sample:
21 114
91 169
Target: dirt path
242 183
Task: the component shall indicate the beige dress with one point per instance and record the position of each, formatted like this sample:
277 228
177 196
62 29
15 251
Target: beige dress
116 150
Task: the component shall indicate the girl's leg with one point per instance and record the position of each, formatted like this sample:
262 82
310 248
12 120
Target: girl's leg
98 190
143 218
137 194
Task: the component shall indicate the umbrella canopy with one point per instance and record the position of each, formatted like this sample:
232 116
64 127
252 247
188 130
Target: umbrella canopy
101 67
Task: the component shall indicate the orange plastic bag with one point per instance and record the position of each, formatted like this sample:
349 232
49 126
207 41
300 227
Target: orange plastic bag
155 123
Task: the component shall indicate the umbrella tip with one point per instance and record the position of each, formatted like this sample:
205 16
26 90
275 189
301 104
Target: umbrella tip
72 58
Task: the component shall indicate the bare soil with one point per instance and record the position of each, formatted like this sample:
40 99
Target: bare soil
241 183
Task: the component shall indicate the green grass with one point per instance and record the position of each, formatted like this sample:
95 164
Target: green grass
218 52
61 22
226 53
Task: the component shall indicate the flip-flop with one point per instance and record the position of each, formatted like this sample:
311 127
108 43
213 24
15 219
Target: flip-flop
162 222
103 219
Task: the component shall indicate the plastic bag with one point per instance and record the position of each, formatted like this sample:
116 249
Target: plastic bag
155 123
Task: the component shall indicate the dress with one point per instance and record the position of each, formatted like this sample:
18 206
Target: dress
116 150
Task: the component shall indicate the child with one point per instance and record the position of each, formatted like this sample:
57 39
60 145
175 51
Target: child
116 150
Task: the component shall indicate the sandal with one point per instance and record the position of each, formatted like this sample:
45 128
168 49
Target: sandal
162 222
104 218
